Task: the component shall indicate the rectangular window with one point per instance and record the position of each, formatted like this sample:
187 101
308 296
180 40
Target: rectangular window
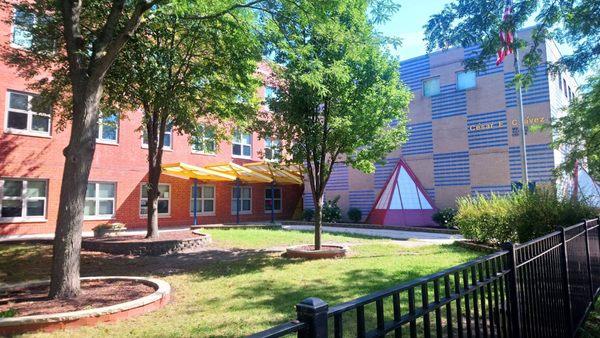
272 149
560 84
204 142
99 200
565 87
276 199
205 200
164 199
23 21
245 200
465 80
22 199
108 129
431 87
23 116
242 144
167 143
269 94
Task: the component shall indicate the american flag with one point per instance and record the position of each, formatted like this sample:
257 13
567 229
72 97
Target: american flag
506 37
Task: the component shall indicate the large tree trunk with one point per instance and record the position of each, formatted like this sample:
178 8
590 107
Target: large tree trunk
64 280
155 129
318 221
153 193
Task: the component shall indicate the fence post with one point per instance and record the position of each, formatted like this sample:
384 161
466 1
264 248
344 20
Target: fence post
313 312
513 292
589 260
565 280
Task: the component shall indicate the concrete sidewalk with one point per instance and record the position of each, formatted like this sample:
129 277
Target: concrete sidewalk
429 237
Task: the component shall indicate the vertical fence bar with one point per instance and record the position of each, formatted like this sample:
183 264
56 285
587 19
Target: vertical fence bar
424 307
512 290
589 261
484 318
459 323
438 311
338 326
361 330
380 317
411 312
448 306
465 274
313 312
565 281
397 314
475 301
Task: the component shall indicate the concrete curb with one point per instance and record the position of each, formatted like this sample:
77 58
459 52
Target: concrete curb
90 317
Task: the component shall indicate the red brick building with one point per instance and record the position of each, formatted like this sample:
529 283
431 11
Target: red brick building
31 164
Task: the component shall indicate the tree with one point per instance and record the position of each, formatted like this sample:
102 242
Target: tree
339 95
180 72
74 46
467 23
579 130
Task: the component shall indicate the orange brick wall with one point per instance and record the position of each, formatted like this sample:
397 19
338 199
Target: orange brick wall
125 164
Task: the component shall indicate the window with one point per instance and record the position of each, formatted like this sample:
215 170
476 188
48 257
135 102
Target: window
204 141
23 118
164 199
108 129
560 85
242 144
431 87
22 24
205 201
22 199
167 143
465 80
269 94
565 87
245 199
272 149
570 96
276 199
99 200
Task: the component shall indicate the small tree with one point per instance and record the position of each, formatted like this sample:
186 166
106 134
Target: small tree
190 76
341 100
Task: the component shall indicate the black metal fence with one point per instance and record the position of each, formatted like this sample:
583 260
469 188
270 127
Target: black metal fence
542 288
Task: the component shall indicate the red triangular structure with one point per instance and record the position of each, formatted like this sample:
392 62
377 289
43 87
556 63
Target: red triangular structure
402 201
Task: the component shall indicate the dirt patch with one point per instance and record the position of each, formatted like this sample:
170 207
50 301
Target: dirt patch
95 293
164 236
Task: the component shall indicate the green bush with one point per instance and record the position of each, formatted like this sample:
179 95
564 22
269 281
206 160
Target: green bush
308 214
331 211
517 217
445 217
354 214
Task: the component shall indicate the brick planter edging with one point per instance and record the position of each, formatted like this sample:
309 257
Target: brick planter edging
141 248
56 321
298 252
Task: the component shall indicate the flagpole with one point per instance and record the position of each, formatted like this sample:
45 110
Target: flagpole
524 172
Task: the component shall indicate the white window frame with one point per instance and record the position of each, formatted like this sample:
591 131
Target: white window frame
241 143
275 199
14 27
167 132
201 200
234 200
24 199
101 125
204 139
30 113
464 72
168 214
430 79
275 146
99 199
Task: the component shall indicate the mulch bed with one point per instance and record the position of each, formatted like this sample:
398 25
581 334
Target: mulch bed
95 293
163 236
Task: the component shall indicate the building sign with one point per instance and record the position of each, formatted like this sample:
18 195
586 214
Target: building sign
529 120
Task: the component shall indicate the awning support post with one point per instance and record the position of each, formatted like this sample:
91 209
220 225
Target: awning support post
239 195
273 201
195 201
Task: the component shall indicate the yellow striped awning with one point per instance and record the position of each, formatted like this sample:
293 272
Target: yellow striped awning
242 173
279 174
185 170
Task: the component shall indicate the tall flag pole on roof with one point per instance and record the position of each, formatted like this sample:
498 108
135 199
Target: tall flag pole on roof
507 39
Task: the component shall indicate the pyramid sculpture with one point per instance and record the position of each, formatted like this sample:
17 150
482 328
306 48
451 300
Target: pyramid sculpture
402 201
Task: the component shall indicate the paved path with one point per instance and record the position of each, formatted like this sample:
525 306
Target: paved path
429 237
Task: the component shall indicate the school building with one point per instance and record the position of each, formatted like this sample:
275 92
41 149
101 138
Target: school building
464 138
232 178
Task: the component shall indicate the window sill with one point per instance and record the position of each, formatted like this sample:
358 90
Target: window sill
242 213
200 214
275 212
144 146
99 218
26 133
242 157
205 154
108 143
159 216
15 46
23 220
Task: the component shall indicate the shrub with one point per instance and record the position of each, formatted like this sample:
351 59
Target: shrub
518 217
355 215
308 214
331 211
445 217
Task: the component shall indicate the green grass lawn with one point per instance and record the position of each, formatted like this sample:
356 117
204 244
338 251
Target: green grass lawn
241 284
